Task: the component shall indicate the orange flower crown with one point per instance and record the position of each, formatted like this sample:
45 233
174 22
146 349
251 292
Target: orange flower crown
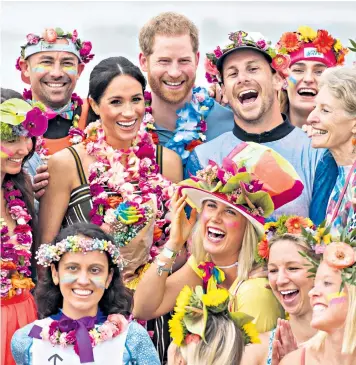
308 44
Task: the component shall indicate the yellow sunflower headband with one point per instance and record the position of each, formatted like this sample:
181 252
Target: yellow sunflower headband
191 314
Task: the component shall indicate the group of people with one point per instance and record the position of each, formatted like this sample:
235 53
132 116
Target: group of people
184 225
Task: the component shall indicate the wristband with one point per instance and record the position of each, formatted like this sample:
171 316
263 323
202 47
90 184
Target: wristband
160 267
170 254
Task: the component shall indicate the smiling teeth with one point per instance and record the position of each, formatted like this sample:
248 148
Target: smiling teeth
173 83
126 125
285 292
311 91
215 231
319 308
82 292
17 160
319 131
55 85
242 93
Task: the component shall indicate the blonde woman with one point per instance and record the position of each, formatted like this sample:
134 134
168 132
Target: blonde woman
333 300
234 200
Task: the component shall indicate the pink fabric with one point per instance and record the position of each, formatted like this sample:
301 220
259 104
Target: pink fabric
311 54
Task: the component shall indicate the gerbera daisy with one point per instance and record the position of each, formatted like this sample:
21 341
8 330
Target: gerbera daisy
294 224
290 41
323 42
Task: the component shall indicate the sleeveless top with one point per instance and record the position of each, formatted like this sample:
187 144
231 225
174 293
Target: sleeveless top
58 144
80 202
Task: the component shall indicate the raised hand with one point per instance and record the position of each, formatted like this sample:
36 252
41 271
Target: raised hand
284 341
40 181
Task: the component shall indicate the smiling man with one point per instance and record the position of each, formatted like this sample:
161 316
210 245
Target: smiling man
251 84
51 63
180 116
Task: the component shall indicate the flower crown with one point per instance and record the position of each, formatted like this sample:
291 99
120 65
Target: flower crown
292 224
321 40
192 309
48 253
238 39
339 253
234 184
20 119
47 42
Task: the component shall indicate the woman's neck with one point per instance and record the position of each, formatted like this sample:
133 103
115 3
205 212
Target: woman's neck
231 272
343 154
301 329
73 313
165 114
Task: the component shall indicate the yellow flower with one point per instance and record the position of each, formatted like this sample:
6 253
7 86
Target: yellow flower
215 297
309 222
327 239
337 45
270 225
250 330
176 329
183 299
307 34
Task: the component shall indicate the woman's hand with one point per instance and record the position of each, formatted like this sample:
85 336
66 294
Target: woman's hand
181 226
284 341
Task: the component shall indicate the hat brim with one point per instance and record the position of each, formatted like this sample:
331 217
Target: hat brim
220 61
196 197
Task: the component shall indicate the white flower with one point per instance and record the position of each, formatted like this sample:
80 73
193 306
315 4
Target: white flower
110 216
62 340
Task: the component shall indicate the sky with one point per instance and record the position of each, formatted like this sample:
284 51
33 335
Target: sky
113 26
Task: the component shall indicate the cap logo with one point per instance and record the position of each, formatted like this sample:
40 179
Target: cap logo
312 52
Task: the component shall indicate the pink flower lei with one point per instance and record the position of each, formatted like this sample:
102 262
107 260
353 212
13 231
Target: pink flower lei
127 213
16 250
77 134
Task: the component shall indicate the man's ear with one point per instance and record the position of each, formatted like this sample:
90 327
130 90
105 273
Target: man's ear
197 58
278 81
25 67
55 275
80 69
143 62
94 105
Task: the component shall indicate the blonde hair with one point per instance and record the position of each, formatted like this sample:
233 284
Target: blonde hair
317 342
224 344
168 24
283 101
341 81
246 255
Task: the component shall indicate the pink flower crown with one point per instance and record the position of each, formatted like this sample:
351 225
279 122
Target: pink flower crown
308 44
47 42
48 253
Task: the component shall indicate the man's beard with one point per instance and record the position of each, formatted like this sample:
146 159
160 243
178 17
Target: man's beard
170 96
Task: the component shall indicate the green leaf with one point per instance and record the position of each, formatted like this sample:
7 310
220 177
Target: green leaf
59 31
352 49
353 43
263 200
241 318
234 182
13 111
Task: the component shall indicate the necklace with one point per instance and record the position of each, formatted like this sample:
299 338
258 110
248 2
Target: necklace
16 250
77 134
134 175
229 266
190 126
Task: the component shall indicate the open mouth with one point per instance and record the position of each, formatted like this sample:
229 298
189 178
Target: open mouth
319 132
174 84
82 292
317 308
215 235
248 96
306 92
289 295
15 160
127 125
55 85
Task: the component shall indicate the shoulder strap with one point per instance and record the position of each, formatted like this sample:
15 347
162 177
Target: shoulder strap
78 162
159 157
304 350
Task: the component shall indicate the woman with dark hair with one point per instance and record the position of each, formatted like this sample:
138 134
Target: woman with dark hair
19 125
113 179
85 307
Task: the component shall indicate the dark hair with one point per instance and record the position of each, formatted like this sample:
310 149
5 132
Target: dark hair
22 180
102 75
116 299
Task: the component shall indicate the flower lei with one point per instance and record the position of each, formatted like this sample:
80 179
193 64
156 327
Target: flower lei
111 328
15 252
292 224
77 134
188 324
128 213
190 126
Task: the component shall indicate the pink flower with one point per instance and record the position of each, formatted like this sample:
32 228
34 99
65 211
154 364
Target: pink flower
17 65
86 48
218 53
27 94
32 38
106 331
53 327
119 320
74 36
70 338
63 340
319 249
36 122
49 35
147 96
261 44
210 67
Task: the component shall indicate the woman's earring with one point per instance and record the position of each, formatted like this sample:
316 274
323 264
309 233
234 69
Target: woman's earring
354 143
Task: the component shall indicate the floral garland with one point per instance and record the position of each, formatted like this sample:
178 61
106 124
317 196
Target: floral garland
77 134
15 251
128 213
111 328
190 126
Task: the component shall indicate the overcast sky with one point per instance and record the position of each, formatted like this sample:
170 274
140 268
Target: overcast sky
113 27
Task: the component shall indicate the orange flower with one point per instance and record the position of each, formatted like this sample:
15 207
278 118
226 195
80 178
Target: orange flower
341 57
4 265
323 42
49 35
281 62
294 224
154 136
339 255
20 282
290 41
114 201
190 146
263 249
157 233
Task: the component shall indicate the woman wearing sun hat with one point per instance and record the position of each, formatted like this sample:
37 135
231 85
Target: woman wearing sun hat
234 200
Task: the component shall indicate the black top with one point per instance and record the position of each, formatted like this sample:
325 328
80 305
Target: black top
274 134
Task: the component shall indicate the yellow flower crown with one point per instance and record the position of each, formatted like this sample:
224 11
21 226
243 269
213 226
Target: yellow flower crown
191 314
